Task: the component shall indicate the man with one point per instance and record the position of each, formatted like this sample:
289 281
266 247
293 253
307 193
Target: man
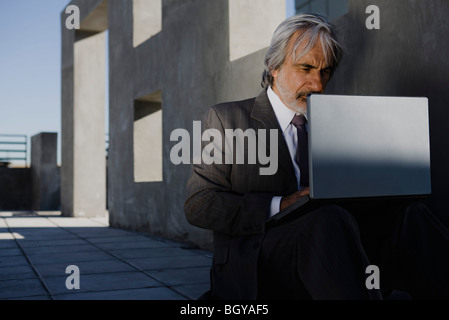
324 253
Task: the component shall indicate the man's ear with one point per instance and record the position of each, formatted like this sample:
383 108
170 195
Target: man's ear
274 75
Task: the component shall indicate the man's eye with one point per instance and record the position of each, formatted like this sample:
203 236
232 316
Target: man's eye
305 69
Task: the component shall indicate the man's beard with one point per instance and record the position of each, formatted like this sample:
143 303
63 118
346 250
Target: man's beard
301 98
296 101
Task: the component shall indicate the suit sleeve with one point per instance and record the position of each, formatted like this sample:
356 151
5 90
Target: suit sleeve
211 202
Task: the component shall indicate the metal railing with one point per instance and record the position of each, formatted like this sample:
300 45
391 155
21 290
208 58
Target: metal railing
13 147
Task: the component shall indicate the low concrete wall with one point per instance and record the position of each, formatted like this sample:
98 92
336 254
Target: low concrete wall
45 174
35 188
15 189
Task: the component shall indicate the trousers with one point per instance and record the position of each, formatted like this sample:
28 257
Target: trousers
324 253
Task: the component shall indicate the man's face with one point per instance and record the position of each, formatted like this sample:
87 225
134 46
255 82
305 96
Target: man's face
296 79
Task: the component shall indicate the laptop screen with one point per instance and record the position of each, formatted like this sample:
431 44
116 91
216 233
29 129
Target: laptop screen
363 146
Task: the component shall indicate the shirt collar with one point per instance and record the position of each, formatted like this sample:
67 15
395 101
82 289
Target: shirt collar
283 114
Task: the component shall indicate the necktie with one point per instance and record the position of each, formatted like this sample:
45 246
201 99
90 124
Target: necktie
302 152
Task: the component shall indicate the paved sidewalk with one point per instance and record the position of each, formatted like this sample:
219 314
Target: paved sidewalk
114 264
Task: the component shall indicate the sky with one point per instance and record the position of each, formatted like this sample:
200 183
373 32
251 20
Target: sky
30 67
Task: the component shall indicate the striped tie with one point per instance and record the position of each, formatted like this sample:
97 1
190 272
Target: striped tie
302 152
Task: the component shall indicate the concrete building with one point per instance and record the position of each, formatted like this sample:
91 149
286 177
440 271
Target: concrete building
169 60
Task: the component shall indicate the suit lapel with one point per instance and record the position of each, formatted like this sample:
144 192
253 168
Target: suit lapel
263 114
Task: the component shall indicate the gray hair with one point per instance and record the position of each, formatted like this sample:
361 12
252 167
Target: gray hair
315 27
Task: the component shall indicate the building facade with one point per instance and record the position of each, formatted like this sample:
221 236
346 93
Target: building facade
165 62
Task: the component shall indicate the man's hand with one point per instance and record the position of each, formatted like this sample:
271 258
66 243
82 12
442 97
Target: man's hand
289 200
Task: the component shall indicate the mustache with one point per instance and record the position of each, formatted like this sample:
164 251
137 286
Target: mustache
305 94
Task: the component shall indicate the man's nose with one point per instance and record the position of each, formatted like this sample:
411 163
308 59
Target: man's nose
316 82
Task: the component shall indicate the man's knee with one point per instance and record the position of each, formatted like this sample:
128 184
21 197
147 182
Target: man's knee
417 208
334 217
419 215
419 218
334 213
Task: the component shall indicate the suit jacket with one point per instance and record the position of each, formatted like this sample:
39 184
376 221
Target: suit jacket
233 200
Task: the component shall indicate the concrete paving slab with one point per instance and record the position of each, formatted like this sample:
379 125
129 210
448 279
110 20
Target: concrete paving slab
116 239
7 252
17 272
28 275
13 261
177 277
38 297
21 288
49 242
43 234
85 247
154 252
192 291
8 236
86 267
114 263
75 222
102 282
100 232
28 222
204 253
11 270
37 230
159 293
175 243
138 242
104 220
69 258
7 243
173 262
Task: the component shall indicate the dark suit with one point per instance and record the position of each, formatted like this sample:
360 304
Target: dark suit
233 201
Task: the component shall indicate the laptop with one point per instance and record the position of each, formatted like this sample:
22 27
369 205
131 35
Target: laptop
365 148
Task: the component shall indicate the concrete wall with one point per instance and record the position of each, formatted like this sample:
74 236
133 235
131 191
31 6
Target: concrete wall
37 187
45 175
188 61
83 98
15 189
407 56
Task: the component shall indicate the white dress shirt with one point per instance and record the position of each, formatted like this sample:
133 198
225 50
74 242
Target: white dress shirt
284 116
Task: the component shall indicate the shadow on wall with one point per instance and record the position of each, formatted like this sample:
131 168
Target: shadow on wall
406 57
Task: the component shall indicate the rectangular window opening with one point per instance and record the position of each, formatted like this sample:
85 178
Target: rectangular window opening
147 20
147 134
